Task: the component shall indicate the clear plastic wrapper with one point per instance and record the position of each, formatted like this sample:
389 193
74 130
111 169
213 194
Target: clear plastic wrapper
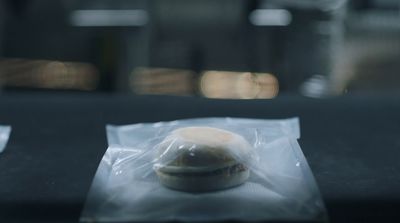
4 136
245 169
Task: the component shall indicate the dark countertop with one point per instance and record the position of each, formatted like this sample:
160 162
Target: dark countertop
352 144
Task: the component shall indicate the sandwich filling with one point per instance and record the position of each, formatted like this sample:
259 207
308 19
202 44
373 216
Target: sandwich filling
226 171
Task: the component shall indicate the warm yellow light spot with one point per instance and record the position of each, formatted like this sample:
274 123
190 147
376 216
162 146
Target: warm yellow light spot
162 81
48 74
242 85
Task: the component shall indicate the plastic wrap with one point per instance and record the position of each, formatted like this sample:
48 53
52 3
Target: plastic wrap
280 185
4 136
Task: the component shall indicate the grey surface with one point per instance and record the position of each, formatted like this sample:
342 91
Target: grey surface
351 143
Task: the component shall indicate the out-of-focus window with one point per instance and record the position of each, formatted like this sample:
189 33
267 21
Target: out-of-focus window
217 49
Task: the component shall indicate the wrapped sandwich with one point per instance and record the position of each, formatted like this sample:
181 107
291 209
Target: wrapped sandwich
198 159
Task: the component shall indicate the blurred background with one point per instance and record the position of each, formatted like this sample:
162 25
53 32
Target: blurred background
217 49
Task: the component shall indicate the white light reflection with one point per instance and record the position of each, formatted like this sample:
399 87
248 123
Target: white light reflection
133 17
316 86
270 17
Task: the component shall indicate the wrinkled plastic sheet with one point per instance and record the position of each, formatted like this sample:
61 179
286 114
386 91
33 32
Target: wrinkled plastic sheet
4 136
280 187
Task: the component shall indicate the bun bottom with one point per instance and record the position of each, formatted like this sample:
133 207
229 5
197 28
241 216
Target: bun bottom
203 183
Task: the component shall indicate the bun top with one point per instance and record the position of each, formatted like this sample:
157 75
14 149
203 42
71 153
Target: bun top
198 149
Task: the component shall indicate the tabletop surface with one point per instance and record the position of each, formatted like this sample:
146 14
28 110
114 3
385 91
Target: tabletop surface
352 144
